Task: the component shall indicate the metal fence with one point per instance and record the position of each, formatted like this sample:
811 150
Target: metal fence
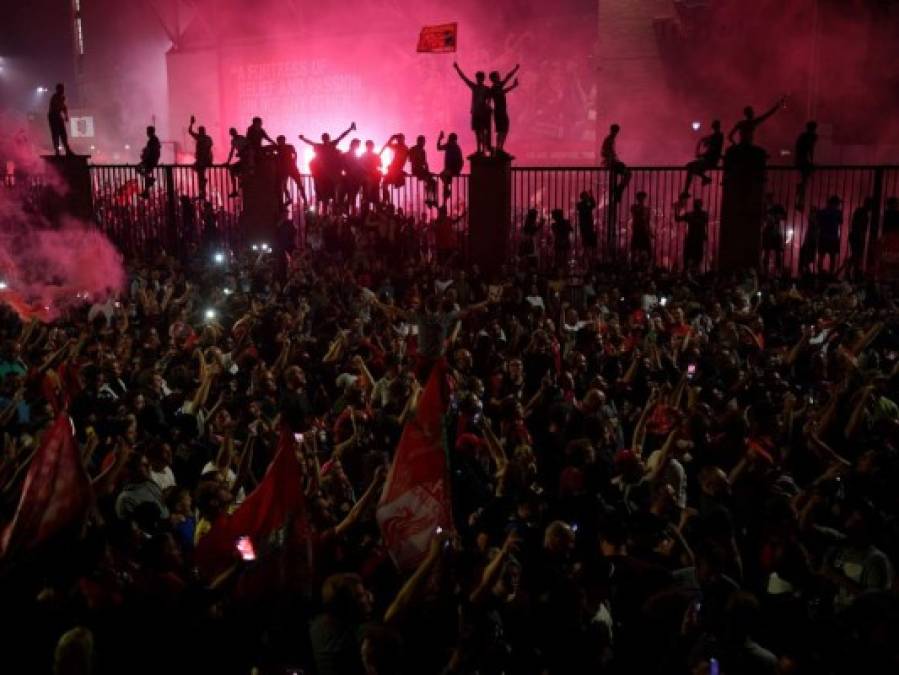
171 206
548 188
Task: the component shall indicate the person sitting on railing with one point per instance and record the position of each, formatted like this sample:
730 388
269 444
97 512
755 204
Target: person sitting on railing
149 160
202 154
453 161
395 176
418 161
620 174
708 154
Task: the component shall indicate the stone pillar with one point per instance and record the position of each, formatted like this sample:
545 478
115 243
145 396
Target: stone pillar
490 212
742 208
74 197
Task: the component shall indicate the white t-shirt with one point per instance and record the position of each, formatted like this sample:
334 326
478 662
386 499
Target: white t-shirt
165 479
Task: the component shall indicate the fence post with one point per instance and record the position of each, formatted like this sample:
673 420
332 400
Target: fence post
171 215
490 212
611 217
874 230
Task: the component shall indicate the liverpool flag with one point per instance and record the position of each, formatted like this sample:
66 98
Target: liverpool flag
438 39
56 493
271 516
416 499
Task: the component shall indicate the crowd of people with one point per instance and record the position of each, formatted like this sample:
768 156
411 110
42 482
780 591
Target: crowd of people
649 472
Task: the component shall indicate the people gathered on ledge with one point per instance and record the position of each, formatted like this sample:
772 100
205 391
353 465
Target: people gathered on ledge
650 472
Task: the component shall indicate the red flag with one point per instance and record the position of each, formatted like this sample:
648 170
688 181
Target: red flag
126 192
438 39
56 493
416 498
276 508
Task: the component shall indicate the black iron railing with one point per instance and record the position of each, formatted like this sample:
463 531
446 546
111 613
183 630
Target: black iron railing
548 188
171 204
171 208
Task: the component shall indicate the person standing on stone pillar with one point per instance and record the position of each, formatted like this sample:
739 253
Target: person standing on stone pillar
480 109
58 118
498 91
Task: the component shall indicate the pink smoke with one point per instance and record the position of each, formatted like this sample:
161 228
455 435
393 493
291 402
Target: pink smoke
46 270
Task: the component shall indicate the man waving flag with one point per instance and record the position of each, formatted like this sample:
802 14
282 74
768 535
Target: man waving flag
416 498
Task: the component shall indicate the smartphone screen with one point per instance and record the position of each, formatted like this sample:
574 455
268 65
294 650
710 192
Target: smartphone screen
245 548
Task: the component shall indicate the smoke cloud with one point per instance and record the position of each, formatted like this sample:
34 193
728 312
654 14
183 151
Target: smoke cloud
47 269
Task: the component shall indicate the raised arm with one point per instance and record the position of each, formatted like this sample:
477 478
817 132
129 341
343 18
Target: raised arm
411 590
346 133
462 75
306 140
440 144
514 85
768 113
511 75
387 144
190 128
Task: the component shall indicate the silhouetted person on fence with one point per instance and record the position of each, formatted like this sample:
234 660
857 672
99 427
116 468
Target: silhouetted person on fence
697 222
353 175
326 165
805 160
498 91
395 176
255 135
149 160
211 237
287 169
480 108
859 227
527 248
418 162
773 235
641 230
561 237
240 149
830 221
370 165
58 118
585 223
202 154
708 153
808 251
744 130
453 161
888 248
621 175
188 218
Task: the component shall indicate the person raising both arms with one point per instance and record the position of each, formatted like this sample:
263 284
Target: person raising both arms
498 91
480 108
